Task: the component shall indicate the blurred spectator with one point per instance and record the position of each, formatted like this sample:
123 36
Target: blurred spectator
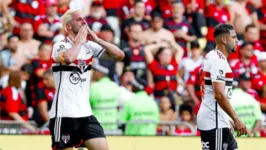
104 95
134 52
107 34
163 66
27 46
251 35
248 110
97 17
127 8
242 13
245 85
195 15
7 21
25 11
157 33
45 96
245 63
260 79
189 63
12 105
140 108
165 6
166 114
126 88
136 17
194 87
8 54
63 6
186 116
26 71
262 24
263 101
3 75
179 26
215 13
40 65
47 26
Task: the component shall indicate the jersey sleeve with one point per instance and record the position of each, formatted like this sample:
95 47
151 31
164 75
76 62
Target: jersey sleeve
96 49
57 48
217 70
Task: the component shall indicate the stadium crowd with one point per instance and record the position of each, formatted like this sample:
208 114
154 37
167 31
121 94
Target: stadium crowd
164 42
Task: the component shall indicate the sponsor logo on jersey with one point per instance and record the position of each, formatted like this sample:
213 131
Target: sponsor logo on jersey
75 78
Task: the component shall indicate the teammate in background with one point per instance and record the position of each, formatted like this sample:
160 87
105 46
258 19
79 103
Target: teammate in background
72 123
217 79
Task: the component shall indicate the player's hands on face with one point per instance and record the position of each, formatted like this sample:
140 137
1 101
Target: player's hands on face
92 34
81 37
240 127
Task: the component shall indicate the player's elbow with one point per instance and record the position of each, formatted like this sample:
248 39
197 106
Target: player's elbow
120 55
218 96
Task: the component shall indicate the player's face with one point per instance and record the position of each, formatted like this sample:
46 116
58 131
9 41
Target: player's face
77 22
231 41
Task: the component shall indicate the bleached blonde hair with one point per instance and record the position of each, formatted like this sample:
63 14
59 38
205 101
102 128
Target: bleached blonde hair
67 17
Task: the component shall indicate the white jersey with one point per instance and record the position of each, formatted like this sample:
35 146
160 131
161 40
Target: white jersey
73 81
215 69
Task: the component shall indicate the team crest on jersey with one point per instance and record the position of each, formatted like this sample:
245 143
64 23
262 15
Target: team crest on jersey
82 65
65 138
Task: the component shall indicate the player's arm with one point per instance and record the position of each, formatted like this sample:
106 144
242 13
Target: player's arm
218 88
69 55
111 49
43 107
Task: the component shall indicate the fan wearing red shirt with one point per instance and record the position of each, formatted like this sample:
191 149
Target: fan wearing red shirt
63 6
179 26
47 26
165 7
40 65
251 34
163 66
260 79
194 87
215 13
46 95
245 64
262 23
96 19
11 104
26 10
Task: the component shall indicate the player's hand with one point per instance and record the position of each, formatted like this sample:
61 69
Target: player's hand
240 127
92 34
81 37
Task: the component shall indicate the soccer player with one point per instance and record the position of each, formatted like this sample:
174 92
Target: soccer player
217 78
72 123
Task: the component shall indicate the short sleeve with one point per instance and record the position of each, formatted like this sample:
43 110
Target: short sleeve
218 70
258 113
57 48
96 49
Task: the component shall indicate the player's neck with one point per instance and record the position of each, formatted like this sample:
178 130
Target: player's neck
222 49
